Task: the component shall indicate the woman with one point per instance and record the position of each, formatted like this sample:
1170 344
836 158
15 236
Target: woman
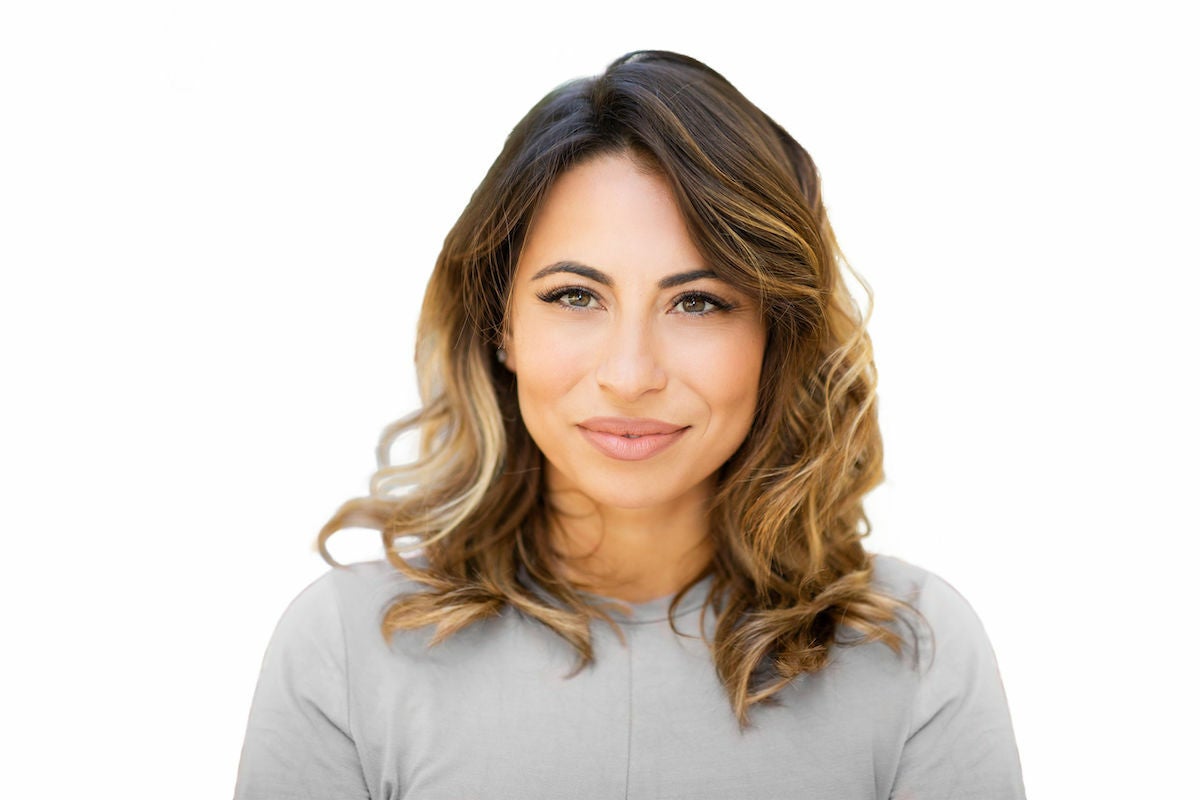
628 560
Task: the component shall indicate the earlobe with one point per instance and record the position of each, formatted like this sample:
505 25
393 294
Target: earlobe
503 356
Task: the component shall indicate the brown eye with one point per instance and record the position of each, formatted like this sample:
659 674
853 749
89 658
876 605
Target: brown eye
570 297
699 305
577 297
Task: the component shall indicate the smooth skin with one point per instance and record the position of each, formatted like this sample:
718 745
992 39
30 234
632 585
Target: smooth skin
616 321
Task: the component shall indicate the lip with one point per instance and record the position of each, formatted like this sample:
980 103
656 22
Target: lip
630 439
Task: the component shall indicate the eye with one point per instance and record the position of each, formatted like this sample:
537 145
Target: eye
697 304
577 297
570 296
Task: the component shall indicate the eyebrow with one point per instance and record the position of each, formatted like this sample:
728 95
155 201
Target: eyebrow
603 279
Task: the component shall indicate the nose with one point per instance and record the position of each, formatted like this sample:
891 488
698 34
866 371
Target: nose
630 365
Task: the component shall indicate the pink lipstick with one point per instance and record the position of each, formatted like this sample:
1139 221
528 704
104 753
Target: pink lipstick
630 439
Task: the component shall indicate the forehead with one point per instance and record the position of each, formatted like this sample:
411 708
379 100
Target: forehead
614 214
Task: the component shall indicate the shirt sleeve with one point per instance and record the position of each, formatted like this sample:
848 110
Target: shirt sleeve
298 742
960 743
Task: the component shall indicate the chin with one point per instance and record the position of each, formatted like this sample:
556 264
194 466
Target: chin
630 501
632 492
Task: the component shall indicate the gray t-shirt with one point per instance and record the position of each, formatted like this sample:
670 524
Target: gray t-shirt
491 711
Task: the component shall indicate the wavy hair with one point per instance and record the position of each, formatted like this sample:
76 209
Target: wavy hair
790 574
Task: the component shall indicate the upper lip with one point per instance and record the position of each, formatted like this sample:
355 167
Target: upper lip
630 426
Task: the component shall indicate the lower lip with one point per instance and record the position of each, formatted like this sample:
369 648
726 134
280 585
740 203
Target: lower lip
624 448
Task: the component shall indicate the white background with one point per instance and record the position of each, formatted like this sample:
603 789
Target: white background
217 218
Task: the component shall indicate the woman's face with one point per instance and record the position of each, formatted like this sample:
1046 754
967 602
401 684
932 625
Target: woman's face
637 369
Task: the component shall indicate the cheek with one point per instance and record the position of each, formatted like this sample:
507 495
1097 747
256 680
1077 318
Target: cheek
547 364
729 369
739 400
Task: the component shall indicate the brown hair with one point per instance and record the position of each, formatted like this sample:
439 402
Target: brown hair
787 518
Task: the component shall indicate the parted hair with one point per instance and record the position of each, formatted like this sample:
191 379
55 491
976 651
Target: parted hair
790 576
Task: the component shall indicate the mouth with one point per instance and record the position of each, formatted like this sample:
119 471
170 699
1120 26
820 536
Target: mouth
630 439
630 427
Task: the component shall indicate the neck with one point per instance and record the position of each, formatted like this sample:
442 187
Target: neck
633 555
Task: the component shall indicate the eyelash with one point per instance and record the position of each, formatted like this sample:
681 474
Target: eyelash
556 296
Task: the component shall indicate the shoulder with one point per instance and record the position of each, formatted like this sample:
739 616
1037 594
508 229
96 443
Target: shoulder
960 741
907 581
947 636
953 655
300 737
365 585
346 603
945 612
349 586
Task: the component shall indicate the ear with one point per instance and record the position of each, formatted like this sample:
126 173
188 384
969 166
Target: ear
504 354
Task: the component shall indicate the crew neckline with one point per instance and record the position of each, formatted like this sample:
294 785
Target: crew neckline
658 609
626 613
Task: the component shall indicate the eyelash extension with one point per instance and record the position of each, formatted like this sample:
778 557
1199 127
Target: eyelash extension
554 295
718 303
